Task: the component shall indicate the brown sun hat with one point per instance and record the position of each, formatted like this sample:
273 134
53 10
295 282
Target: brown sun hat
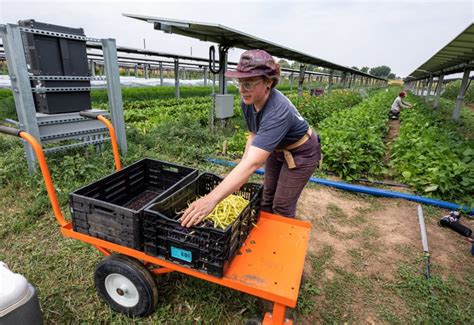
254 63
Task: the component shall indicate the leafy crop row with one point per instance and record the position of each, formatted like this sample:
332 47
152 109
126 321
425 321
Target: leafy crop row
431 155
352 139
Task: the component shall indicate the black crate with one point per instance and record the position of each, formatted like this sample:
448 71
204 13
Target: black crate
111 208
49 55
200 247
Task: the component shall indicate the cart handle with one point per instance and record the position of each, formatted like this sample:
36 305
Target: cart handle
9 131
113 137
44 168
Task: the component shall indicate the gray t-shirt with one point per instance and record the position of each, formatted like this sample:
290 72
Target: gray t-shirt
277 125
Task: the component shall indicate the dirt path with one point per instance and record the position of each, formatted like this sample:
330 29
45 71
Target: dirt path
357 246
470 106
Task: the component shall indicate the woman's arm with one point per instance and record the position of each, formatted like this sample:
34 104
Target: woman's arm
253 158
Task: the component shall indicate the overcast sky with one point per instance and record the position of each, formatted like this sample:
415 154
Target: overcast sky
400 34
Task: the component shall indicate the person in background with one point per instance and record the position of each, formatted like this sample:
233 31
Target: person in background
278 137
398 104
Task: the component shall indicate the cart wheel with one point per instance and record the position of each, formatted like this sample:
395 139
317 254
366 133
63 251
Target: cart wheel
126 285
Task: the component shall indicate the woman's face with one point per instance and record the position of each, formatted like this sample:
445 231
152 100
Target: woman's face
253 90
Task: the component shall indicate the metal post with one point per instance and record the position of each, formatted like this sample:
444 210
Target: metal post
114 91
344 80
309 83
291 81
161 73
135 70
331 79
176 78
350 80
222 79
439 87
127 72
206 76
145 70
92 68
301 79
430 84
462 92
21 87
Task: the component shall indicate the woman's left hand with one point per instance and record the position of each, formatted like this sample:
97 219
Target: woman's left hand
197 211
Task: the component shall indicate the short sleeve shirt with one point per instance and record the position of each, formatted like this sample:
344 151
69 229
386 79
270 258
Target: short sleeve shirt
277 125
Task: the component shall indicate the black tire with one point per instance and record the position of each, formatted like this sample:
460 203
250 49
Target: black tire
126 285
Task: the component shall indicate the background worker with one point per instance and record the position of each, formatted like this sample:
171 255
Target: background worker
278 137
398 104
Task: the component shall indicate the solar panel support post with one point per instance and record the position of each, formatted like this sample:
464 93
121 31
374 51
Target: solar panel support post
114 91
222 78
439 88
291 81
331 80
161 72
135 71
176 78
92 67
21 88
145 70
462 92
206 76
310 81
301 80
430 85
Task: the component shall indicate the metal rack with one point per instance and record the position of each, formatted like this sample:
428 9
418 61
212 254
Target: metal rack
54 128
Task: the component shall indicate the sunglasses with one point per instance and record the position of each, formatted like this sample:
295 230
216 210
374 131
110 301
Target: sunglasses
247 85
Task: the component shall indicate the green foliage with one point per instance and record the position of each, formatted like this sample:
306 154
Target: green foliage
431 155
352 139
451 91
316 109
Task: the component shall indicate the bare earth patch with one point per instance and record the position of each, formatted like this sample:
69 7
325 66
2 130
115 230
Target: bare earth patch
369 237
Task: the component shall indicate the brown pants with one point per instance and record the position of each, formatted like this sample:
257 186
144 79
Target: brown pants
283 186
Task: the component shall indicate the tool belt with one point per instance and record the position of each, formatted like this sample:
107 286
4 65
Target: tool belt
286 151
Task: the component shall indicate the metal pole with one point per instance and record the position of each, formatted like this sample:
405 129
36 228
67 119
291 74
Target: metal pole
176 78
424 241
462 92
331 80
291 81
145 70
350 80
222 79
21 87
206 76
430 84
439 87
309 83
135 70
114 91
92 68
161 73
127 71
301 80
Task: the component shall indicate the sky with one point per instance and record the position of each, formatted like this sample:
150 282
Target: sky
400 34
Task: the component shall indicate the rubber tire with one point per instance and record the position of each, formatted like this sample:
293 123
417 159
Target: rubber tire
135 272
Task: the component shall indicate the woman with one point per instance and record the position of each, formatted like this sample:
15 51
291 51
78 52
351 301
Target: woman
398 104
278 137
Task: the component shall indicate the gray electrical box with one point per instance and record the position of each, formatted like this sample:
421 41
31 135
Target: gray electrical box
224 105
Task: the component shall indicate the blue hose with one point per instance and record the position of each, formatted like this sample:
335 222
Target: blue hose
368 190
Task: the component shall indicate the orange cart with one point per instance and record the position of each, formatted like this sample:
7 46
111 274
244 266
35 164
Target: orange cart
269 264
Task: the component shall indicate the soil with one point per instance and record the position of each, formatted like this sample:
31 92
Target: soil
394 129
141 200
470 106
340 220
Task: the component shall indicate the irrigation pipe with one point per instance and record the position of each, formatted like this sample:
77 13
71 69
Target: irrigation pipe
368 190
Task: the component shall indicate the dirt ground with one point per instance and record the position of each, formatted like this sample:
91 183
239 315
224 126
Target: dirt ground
369 237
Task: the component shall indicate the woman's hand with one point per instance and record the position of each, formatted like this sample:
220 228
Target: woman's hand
197 211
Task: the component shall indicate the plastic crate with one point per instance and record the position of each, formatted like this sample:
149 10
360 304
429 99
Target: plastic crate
200 247
111 208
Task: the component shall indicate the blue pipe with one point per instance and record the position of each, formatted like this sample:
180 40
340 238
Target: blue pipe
368 190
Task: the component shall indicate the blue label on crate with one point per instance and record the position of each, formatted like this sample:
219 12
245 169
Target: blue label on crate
181 254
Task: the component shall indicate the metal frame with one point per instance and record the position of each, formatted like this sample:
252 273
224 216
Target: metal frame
56 127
